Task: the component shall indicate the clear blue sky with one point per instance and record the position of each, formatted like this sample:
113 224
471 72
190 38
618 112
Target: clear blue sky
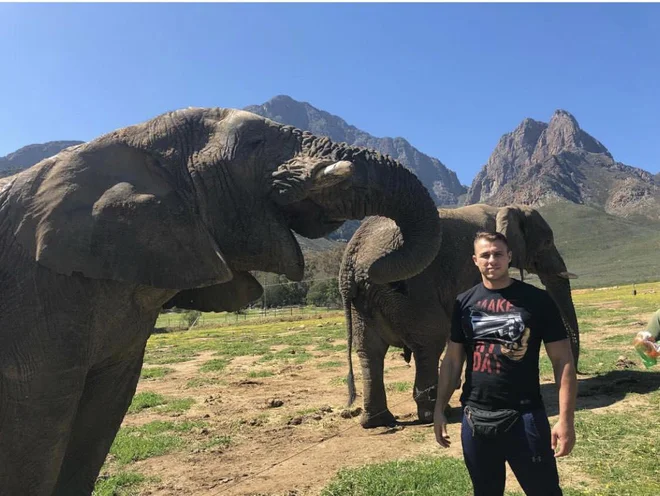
450 78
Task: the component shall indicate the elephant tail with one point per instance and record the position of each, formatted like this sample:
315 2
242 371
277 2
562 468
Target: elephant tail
350 380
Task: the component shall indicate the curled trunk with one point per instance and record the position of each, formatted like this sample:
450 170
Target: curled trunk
381 186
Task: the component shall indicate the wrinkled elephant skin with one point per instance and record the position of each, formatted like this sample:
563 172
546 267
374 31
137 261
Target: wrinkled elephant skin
174 211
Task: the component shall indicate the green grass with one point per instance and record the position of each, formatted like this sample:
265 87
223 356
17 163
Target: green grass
179 405
253 374
221 442
249 316
331 364
120 484
400 387
325 346
306 411
624 340
215 365
142 401
417 436
155 372
296 355
599 360
198 382
233 348
602 249
133 444
619 449
338 381
169 355
545 366
425 476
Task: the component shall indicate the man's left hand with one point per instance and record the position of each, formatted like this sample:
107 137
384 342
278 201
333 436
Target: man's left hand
564 433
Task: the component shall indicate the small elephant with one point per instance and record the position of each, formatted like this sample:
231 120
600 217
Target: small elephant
96 240
415 313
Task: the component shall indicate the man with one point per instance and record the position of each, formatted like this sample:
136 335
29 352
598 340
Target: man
499 325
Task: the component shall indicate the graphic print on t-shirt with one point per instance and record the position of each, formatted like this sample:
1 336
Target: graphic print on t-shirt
496 322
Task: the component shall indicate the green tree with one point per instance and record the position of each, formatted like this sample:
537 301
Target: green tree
324 293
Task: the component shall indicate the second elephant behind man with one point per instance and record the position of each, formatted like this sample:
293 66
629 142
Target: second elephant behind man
415 313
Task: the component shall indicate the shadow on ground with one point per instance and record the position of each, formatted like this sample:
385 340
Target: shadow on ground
604 390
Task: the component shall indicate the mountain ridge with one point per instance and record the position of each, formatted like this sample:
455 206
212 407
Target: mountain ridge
539 163
29 155
441 182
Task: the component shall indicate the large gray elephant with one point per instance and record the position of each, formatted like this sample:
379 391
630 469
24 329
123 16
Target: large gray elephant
95 240
414 313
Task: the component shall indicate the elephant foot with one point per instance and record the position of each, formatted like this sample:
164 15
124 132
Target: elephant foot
385 419
425 416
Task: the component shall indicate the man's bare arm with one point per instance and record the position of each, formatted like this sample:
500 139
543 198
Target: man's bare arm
450 371
559 353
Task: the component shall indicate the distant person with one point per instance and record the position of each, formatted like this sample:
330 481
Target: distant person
653 328
647 343
499 325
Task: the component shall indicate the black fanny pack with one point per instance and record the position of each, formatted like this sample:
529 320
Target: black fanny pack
485 423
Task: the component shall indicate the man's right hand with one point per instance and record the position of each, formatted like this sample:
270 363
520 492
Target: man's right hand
440 427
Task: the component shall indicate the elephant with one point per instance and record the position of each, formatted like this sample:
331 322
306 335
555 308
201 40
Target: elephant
177 210
415 313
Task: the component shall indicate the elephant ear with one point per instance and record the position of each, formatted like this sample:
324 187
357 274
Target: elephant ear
107 210
226 297
510 222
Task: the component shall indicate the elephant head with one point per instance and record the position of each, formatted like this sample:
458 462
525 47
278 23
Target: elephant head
195 198
533 249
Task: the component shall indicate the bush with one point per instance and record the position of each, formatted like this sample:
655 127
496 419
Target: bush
189 317
325 294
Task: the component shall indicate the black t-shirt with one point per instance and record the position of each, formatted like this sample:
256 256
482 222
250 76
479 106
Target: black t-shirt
502 331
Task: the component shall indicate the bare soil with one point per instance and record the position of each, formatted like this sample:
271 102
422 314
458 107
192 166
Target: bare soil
291 431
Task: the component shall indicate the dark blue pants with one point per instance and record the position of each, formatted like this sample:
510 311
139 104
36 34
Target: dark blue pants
527 449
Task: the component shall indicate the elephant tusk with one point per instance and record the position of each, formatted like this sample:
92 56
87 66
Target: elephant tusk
333 174
567 275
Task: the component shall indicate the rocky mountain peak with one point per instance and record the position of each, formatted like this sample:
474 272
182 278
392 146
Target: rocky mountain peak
539 163
564 133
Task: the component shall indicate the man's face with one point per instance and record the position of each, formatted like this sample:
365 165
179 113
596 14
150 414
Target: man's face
492 258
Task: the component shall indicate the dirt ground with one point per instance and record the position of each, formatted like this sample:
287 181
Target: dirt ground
292 449
291 432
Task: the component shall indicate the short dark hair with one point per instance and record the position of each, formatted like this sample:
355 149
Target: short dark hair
492 236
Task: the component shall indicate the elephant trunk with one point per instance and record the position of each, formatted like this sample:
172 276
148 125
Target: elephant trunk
381 186
397 193
338 182
559 289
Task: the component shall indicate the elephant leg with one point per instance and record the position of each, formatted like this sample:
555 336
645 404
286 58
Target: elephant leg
426 381
426 334
108 392
371 350
36 416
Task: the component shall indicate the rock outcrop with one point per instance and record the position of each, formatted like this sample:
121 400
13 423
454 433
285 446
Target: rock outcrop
540 163
30 155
